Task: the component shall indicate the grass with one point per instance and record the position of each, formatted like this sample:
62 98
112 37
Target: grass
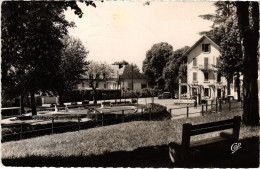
125 137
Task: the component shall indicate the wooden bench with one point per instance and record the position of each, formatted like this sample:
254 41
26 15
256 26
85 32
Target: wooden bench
180 152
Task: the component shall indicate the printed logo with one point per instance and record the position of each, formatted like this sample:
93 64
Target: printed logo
235 147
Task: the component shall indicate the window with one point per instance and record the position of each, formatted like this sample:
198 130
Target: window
218 77
206 92
194 61
194 76
206 76
205 47
206 63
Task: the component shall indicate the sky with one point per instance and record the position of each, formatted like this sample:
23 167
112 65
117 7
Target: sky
116 31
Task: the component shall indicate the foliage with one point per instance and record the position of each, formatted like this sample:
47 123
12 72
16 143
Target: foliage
156 59
175 68
31 33
225 33
72 66
98 72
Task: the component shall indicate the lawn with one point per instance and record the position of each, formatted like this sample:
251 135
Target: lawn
125 137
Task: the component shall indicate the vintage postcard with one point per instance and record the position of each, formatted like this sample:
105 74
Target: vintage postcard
138 84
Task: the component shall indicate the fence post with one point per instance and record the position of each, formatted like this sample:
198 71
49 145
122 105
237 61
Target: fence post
216 105
102 118
52 124
211 106
229 106
202 113
123 116
206 105
187 112
79 122
220 105
21 132
150 113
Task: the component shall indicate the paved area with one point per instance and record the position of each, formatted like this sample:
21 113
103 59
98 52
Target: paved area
178 111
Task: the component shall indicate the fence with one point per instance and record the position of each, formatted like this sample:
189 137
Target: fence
43 125
213 107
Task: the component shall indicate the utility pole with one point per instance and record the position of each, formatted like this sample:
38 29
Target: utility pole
132 80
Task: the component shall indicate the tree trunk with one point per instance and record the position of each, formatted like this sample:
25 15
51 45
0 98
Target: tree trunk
249 36
33 105
61 102
238 86
228 86
22 104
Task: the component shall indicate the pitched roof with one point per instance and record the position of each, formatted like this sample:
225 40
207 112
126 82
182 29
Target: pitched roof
196 44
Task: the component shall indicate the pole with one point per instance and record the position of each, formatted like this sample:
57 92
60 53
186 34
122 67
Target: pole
79 122
150 114
21 132
202 113
187 112
132 81
216 105
102 118
52 124
123 116
206 105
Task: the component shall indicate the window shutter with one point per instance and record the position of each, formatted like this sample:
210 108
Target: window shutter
194 76
206 62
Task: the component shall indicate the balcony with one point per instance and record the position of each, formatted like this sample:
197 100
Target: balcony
207 68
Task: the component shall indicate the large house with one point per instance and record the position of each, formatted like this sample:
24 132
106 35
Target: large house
122 78
203 80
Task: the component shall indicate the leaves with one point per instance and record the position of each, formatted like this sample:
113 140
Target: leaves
156 59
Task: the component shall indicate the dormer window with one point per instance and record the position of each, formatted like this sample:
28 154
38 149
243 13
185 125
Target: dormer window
205 47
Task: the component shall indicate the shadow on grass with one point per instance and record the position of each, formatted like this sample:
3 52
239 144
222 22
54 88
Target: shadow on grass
247 156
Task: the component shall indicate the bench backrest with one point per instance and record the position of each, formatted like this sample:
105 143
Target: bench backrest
191 130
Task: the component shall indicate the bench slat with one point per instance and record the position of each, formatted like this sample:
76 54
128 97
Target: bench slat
211 129
217 123
208 141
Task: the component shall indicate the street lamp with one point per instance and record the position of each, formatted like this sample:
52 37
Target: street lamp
120 65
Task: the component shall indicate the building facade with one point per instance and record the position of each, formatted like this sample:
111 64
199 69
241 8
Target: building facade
203 80
122 78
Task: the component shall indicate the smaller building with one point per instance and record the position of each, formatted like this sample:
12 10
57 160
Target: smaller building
126 77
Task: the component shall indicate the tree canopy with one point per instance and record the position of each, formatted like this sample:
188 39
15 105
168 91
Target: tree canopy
156 59
175 68
31 43
72 66
98 72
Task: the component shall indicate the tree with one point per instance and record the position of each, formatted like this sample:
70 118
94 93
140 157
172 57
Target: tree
231 55
98 72
175 69
31 38
72 66
156 59
225 32
248 23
